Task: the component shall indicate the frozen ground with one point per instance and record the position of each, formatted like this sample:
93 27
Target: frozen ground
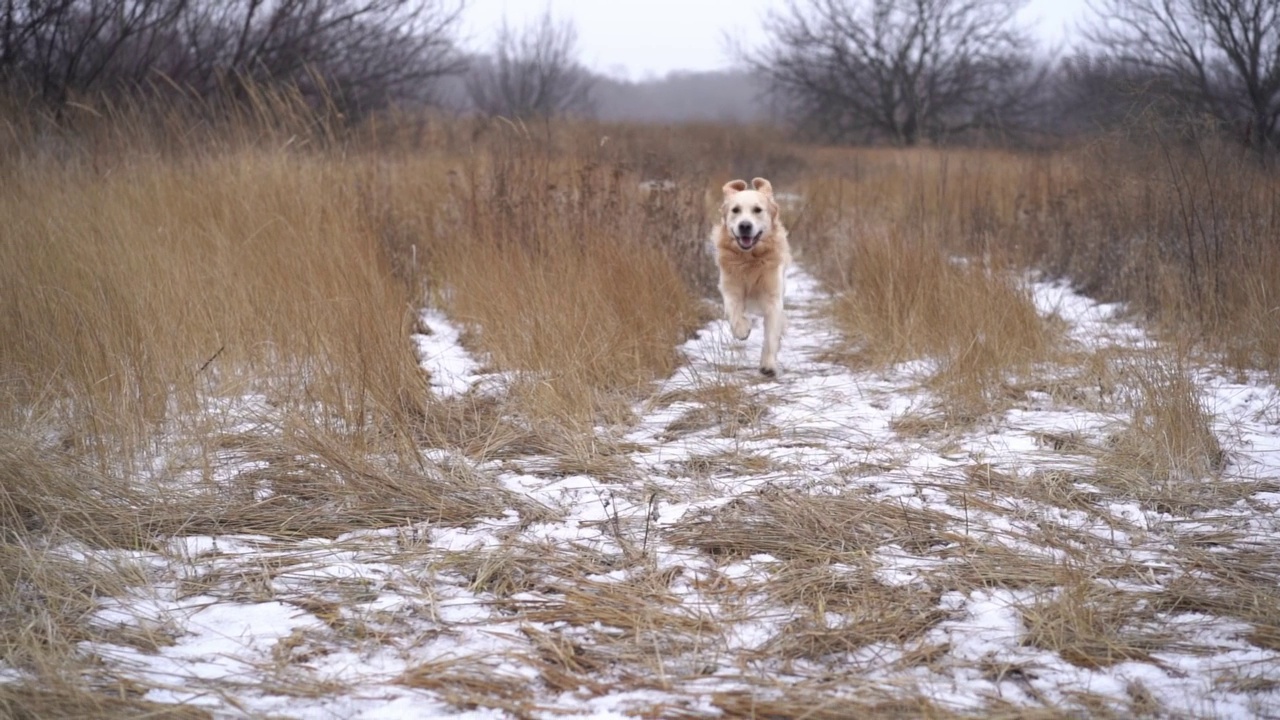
761 546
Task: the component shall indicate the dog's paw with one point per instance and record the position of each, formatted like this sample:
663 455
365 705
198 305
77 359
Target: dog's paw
769 371
741 328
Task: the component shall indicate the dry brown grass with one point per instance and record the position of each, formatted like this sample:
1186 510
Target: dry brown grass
1236 583
1180 228
581 281
871 613
915 247
70 700
46 598
207 328
472 685
820 528
305 484
1092 626
140 293
716 403
829 701
903 298
726 464
1167 456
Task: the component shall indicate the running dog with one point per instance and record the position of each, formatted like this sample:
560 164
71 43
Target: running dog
753 255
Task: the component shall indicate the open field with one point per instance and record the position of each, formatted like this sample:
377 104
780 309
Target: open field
437 418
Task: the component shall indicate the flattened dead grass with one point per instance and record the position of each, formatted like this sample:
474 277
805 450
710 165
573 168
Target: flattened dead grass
819 528
987 564
310 485
1093 627
729 408
469 684
65 700
1239 584
867 612
838 700
726 464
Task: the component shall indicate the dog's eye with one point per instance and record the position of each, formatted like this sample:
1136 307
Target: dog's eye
736 209
756 210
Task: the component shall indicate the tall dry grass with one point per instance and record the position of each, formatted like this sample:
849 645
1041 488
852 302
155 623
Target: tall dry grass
582 282
921 248
901 298
205 308
148 278
141 286
1180 226
207 311
916 273
1184 230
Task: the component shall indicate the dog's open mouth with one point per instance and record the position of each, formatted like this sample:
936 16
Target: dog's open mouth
748 241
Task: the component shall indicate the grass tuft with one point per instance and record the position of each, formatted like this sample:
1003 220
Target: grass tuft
900 298
1091 626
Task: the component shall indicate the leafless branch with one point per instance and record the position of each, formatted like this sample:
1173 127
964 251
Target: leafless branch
364 52
1222 56
856 70
532 72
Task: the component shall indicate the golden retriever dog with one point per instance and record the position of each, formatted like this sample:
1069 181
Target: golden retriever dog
753 255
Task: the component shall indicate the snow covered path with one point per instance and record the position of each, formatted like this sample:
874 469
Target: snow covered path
754 545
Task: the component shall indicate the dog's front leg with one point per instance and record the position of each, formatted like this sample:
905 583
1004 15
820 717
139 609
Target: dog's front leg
735 311
773 322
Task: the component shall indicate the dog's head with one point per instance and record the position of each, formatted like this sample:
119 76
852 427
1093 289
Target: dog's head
749 215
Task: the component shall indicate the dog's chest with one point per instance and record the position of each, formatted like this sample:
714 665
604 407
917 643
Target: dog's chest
747 268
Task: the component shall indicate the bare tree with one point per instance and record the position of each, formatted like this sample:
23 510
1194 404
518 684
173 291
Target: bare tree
64 45
532 73
364 51
1092 92
1221 55
905 69
360 53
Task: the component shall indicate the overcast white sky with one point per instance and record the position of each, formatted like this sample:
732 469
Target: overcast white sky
642 38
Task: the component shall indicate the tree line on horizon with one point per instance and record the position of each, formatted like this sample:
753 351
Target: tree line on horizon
902 72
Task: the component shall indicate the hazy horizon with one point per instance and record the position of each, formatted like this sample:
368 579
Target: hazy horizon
650 40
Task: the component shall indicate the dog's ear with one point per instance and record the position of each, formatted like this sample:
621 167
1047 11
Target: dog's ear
734 186
762 185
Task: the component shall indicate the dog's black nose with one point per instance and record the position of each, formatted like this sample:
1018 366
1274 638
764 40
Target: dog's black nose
744 228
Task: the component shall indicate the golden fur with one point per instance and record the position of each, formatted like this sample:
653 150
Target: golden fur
752 254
